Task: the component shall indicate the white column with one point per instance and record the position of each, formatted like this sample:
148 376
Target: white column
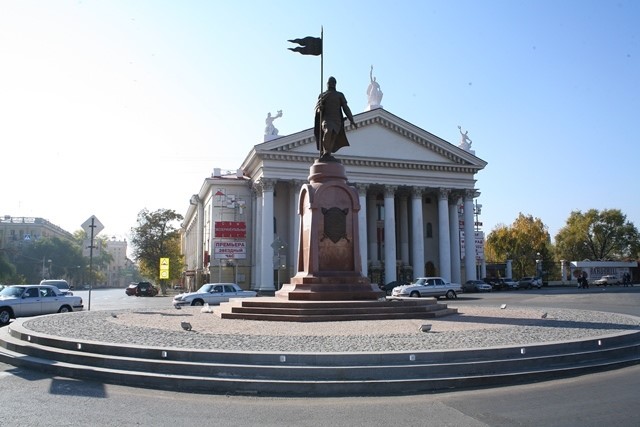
200 243
417 233
389 234
454 236
444 245
404 229
362 227
266 273
509 272
469 237
257 239
372 228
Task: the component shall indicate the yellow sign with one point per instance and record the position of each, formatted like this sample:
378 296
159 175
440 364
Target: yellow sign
164 268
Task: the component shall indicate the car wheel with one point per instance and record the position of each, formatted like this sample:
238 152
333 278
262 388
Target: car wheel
415 294
5 316
450 294
198 302
65 309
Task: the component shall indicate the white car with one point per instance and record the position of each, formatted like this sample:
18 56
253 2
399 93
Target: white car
33 300
212 293
530 282
510 284
428 287
609 279
62 285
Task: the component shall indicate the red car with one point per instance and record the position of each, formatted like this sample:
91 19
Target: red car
141 289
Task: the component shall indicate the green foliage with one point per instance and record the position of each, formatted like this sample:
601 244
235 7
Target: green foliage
157 237
521 242
7 269
45 258
101 258
598 236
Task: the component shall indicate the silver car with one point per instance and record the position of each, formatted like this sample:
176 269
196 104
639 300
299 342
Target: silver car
33 300
212 293
428 287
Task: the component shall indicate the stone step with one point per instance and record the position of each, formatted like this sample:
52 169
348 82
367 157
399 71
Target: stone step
314 374
334 317
275 309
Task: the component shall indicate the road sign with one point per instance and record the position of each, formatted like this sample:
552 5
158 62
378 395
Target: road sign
164 268
94 223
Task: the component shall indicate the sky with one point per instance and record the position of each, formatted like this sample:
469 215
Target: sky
110 107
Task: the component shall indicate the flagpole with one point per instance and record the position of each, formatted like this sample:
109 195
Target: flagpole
319 135
321 57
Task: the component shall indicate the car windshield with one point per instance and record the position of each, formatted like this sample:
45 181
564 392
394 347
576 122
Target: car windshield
12 292
206 288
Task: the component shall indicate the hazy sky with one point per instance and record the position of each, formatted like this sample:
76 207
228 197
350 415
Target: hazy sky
108 107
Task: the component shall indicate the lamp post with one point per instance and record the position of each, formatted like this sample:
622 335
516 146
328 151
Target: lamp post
46 271
538 265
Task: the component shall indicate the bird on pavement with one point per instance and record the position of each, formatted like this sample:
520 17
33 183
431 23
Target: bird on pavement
544 315
186 326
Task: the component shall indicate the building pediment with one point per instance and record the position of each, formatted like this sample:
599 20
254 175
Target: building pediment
382 141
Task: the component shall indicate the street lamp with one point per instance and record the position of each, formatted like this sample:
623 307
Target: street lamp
538 265
46 271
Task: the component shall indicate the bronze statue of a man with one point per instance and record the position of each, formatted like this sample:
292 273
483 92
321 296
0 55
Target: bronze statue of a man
329 121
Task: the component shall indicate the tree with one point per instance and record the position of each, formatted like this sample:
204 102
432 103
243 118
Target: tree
156 237
599 236
46 258
100 262
7 269
521 242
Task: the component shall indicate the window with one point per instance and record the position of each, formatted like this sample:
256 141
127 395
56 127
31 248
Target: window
229 288
47 292
32 293
429 230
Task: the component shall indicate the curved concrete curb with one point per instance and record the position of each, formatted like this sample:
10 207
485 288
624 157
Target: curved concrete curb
312 374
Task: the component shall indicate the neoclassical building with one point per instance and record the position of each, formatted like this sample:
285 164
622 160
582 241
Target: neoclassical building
416 194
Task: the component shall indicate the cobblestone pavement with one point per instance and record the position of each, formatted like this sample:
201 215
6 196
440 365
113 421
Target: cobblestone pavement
472 327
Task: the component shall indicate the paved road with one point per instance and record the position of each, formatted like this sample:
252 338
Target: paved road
29 398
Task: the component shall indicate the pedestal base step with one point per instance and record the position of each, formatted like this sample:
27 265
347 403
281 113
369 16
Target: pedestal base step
276 309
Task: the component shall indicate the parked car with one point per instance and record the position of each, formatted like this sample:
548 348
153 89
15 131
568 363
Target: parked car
34 300
428 287
491 281
141 289
530 282
62 285
212 293
510 284
388 288
609 279
476 286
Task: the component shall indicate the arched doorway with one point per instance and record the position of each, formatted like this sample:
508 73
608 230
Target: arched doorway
429 269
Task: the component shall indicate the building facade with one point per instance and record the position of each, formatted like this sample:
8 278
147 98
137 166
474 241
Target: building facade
416 194
23 229
119 272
